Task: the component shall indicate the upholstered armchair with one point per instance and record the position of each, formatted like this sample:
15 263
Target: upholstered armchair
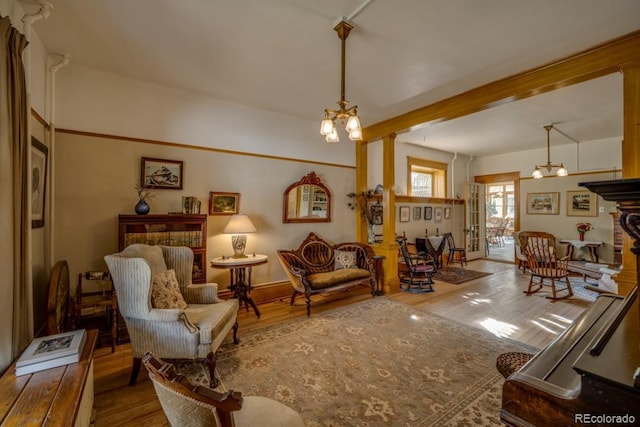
188 405
187 324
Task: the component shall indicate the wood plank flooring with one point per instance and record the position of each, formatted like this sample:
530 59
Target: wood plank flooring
493 302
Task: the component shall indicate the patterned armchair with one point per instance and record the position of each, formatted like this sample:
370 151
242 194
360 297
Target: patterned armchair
193 331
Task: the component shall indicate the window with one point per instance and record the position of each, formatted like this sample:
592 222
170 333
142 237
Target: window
500 200
426 178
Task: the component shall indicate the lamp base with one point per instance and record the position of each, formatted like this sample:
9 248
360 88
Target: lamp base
239 242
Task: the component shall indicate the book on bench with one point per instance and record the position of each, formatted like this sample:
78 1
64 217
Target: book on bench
51 351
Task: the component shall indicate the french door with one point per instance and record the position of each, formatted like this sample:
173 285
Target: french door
475 220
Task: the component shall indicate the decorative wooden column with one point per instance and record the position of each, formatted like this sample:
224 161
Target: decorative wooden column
630 165
389 248
361 187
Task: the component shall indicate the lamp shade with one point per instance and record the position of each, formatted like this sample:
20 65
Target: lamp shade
239 224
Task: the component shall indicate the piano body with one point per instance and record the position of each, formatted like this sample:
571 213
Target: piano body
590 373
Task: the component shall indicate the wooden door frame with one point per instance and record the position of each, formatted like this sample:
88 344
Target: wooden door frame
504 177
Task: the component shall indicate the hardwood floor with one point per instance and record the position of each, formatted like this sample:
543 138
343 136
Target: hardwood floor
495 303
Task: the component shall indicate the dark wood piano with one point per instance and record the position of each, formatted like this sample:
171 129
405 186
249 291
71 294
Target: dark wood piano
590 374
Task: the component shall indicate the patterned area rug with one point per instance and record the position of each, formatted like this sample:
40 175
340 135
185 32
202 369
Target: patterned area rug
457 275
375 363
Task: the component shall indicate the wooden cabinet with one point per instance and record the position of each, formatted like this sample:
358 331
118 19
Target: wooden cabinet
168 230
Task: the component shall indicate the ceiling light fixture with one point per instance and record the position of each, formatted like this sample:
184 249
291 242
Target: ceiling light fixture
562 171
347 116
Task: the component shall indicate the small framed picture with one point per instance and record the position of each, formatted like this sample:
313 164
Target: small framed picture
404 214
428 213
437 214
224 203
447 213
376 213
582 203
39 154
417 211
543 203
161 173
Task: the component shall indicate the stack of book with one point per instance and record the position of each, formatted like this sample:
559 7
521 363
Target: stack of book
190 205
51 351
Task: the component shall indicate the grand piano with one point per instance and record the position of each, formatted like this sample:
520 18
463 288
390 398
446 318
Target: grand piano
590 374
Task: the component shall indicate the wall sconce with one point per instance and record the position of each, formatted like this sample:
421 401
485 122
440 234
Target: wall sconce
239 225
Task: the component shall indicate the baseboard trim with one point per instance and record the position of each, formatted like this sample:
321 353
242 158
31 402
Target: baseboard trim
266 293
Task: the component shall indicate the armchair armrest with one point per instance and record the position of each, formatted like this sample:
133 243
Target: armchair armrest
206 293
172 315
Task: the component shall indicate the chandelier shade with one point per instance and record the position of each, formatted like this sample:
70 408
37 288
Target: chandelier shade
348 117
537 172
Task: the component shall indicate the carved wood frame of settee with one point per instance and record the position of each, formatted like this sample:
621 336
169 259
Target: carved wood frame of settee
311 267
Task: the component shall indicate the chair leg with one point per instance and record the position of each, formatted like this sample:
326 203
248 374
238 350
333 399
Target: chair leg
236 340
293 297
135 370
210 363
308 301
529 290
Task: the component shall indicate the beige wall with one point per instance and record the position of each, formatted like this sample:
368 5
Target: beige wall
95 181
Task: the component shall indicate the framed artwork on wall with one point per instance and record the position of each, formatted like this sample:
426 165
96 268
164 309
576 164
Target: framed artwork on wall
161 173
417 211
543 203
224 203
39 157
404 214
582 203
447 213
428 213
437 214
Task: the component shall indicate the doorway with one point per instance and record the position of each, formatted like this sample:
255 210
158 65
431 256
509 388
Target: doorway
501 215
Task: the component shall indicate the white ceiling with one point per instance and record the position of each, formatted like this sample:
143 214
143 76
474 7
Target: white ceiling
283 56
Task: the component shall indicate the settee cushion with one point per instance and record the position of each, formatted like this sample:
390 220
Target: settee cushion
345 259
336 277
165 291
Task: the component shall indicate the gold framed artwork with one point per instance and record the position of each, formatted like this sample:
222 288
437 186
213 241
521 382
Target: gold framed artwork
224 203
582 203
543 203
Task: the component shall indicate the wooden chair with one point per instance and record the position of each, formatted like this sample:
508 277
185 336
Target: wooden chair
543 264
415 275
455 252
188 405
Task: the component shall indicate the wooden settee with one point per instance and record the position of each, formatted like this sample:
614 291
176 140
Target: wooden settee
318 266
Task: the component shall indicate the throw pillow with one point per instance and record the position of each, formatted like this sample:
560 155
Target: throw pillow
345 259
165 291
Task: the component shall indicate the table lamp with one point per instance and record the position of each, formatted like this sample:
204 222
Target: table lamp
239 225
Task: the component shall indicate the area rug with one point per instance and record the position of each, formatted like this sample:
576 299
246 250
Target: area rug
374 363
457 275
577 286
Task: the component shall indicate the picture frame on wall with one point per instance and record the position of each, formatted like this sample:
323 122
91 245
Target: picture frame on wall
161 173
428 213
582 203
417 211
223 203
404 214
447 213
39 159
376 213
543 203
437 215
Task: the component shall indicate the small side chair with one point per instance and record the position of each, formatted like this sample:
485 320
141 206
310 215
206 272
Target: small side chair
455 252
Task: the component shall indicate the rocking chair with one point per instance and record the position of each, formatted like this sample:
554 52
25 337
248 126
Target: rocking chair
417 271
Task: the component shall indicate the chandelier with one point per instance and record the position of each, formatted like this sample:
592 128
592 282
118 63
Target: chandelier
347 116
562 171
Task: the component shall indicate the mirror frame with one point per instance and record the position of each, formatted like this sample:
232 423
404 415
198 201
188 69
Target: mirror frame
309 179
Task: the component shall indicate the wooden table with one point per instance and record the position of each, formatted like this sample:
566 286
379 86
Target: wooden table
434 246
591 245
61 396
240 276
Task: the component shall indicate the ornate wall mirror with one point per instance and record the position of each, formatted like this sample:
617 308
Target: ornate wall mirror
307 200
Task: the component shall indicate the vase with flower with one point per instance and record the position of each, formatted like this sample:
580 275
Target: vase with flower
142 207
582 228
364 202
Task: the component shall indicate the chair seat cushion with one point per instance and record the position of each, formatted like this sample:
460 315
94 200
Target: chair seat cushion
256 410
510 362
423 268
336 277
211 319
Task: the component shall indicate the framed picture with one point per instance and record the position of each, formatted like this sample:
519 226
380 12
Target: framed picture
376 213
404 213
582 203
224 203
161 173
428 213
417 211
437 214
543 203
39 156
447 213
